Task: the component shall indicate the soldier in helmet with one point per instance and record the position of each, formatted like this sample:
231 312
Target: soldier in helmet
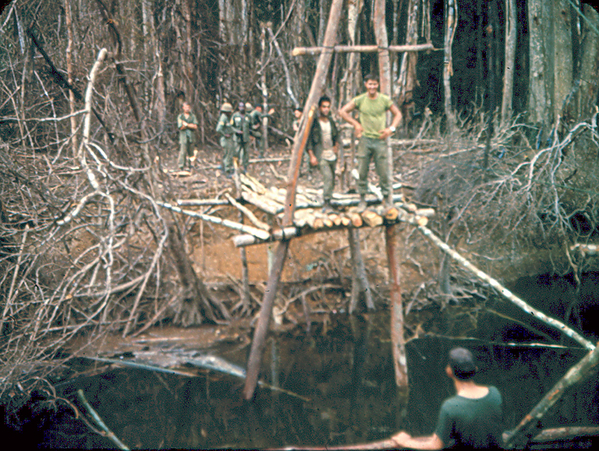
225 129
255 125
242 136
186 123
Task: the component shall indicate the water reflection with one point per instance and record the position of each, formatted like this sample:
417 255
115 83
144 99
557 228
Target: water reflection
344 367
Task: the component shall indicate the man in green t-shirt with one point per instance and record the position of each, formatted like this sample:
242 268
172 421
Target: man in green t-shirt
186 123
373 133
472 419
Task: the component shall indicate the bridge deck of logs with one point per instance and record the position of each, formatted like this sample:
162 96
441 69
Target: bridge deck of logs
309 216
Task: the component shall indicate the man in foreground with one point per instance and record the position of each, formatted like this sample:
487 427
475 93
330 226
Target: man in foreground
372 131
472 419
323 147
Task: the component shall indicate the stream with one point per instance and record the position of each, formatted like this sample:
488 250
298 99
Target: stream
343 371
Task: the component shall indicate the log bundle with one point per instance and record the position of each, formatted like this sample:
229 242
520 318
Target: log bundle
310 218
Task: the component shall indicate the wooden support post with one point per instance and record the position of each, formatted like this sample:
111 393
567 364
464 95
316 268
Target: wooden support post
400 361
316 90
527 428
245 274
380 30
359 280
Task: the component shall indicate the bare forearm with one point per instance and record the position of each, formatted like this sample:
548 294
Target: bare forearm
404 440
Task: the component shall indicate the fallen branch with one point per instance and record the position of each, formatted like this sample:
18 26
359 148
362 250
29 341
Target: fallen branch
98 420
503 291
258 233
360 49
247 212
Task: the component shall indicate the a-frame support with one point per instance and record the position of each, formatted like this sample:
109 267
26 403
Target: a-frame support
259 340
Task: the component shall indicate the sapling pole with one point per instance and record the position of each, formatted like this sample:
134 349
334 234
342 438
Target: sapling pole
316 90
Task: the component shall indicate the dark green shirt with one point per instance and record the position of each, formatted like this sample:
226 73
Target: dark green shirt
471 423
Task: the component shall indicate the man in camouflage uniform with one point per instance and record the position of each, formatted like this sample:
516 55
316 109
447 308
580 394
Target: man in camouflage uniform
186 123
256 116
225 129
242 136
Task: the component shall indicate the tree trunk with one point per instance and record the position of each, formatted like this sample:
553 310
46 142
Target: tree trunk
540 108
589 67
511 39
451 22
382 41
407 75
72 108
562 56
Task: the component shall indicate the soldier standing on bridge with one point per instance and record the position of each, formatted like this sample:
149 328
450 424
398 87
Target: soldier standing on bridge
373 133
323 147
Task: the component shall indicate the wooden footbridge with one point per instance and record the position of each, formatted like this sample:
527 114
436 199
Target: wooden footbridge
297 211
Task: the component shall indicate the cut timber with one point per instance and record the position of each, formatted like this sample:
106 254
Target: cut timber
248 213
356 220
372 219
298 51
201 202
264 204
391 214
258 233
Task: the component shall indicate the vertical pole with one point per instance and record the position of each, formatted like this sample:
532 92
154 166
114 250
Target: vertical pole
264 93
382 41
397 336
316 90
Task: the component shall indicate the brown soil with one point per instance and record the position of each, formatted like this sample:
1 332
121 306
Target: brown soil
217 259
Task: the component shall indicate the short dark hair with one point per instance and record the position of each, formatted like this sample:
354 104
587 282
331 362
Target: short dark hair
461 362
371 77
299 108
323 99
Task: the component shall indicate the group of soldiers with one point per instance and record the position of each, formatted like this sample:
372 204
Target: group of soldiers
238 129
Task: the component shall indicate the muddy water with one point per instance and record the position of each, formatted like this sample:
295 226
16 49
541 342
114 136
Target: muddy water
343 366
